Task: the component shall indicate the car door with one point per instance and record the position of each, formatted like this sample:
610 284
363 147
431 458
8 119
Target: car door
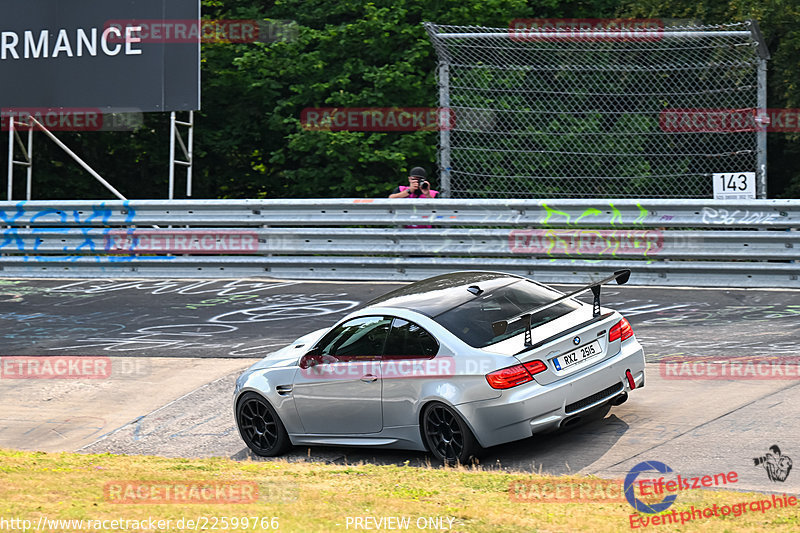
337 389
409 362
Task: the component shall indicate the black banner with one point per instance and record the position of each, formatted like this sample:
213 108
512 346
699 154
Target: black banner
95 54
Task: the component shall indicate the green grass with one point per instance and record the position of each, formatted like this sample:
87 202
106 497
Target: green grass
311 497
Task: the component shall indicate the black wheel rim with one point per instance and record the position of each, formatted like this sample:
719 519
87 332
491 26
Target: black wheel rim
444 433
258 425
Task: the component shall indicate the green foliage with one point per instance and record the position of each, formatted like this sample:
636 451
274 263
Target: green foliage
347 54
778 22
248 138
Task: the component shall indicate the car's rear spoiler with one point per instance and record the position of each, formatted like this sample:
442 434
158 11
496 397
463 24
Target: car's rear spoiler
621 277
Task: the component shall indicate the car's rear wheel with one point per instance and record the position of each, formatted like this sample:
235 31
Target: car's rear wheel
260 427
447 436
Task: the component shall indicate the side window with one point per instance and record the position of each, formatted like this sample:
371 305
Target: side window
407 339
363 336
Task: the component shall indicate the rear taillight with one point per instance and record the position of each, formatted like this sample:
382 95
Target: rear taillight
622 330
534 367
505 378
511 376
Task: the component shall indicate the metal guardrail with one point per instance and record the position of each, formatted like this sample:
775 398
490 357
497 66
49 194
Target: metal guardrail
666 242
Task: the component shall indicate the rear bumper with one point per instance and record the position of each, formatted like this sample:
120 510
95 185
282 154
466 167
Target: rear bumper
533 408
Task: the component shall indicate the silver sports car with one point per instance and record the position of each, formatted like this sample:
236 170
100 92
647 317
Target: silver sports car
450 364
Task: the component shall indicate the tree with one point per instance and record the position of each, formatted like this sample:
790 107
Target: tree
778 22
249 141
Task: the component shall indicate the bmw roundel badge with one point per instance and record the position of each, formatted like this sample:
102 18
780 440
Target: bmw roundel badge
576 341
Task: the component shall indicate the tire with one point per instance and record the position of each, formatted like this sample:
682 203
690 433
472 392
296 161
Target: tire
260 427
447 436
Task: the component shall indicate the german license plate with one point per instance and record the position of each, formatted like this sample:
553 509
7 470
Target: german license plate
578 355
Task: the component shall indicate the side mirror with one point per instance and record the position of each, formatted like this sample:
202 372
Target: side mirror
310 359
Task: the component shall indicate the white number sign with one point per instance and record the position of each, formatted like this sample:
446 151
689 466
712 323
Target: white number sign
734 185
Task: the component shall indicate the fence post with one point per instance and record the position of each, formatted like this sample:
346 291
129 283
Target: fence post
763 56
444 132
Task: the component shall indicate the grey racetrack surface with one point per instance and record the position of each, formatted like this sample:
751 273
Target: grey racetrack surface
695 426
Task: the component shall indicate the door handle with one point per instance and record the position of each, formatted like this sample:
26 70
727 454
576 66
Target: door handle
369 378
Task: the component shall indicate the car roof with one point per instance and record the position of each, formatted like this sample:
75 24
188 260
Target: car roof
433 296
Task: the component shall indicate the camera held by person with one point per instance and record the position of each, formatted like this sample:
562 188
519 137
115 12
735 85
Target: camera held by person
418 186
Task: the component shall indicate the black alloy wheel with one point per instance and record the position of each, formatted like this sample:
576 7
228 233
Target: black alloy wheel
447 436
260 427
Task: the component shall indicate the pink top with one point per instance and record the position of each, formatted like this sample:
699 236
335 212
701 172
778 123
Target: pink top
432 192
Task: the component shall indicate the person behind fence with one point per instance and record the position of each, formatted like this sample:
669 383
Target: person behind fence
418 186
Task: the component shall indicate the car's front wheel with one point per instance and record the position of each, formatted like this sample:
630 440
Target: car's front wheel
260 427
447 436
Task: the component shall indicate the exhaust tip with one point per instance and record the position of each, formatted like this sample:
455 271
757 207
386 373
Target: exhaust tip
619 400
571 421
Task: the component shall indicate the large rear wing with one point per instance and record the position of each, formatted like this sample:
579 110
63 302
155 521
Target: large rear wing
620 276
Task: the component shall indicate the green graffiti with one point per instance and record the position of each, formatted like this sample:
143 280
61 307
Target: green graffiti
616 242
648 243
589 213
551 212
549 250
643 214
616 214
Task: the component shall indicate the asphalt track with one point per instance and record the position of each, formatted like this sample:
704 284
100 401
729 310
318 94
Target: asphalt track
176 347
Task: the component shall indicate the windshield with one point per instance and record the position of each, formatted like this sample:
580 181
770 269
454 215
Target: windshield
472 321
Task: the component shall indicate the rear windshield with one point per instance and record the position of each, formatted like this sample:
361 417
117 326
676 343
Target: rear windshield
472 321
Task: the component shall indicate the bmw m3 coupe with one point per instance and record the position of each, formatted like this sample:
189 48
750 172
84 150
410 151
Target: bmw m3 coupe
449 365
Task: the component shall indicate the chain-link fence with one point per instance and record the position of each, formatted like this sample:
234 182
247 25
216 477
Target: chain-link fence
593 115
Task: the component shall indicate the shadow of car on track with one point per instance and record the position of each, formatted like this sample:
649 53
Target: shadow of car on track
564 452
